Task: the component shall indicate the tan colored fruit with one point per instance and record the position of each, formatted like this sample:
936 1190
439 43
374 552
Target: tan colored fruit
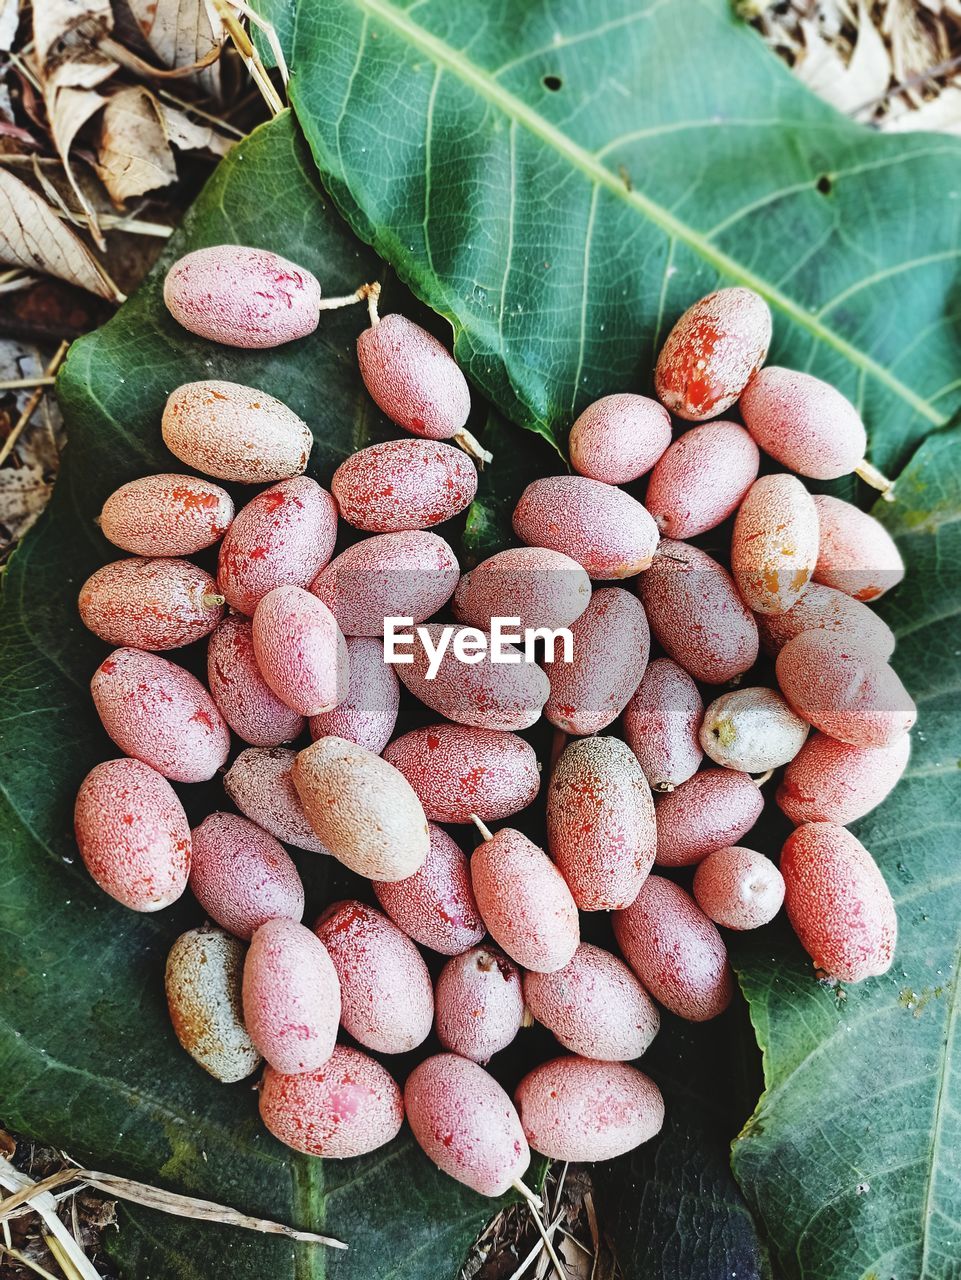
203 981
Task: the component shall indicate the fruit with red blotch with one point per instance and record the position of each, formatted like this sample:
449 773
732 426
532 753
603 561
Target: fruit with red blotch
202 981
242 297
601 527
805 424
823 608
697 615
619 438
612 642
466 1123
460 771
159 713
600 823
844 689
345 1108
738 888
857 554
480 1003
401 575
524 901
435 906
701 479
752 730
166 515
583 1110
242 876
260 785
281 538
541 588
233 432
291 996
712 353
831 781
661 724
362 808
485 694
150 604
675 950
838 903
594 1006
133 834
774 545
713 809
386 998
413 378
369 712
402 485
300 650
243 696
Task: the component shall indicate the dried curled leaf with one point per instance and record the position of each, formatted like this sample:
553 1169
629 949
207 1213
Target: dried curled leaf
134 153
62 27
180 32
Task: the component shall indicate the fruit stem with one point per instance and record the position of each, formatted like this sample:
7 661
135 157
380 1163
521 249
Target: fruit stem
762 778
482 827
373 297
531 1197
876 479
363 294
212 601
473 447
527 1018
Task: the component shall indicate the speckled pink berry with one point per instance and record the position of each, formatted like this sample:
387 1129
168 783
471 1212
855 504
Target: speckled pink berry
133 834
435 906
291 997
150 604
738 888
804 423
752 730
243 696
203 987
541 588
823 608
661 724
242 876
159 713
166 515
676 951
619 438
260 785
242 297
701 479
233 432
345 1108
413 378
774 544
857 554
466 1123
713 809
480 1003
402 485
300 650
369 712
830 781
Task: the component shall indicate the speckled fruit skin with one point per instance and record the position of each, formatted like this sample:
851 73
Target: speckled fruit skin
774 545
844 689
345 1108
435 906
460 771
601 527
283 537
413 378
830 781
244 698
159 713
675 950
401 575
540 587
738 888
701 479
386 997
166 515
612 642
133 834
291 997
300 650
362 808
485 694
594 1006
369 712
619 438
823 608
150 604
804 423
579 1109
525 902
242 297
233 432
857 556
242 876
466 1123
202 981
480 1003
696 614
713 809
712 353
752 730
600 823
661 724
402 485
260 785
838 902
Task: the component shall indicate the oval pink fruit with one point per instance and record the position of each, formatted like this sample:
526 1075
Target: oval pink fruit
133 834
244 697
857 554
202 982
661 724
823 608
166 515
369 712
619 438
413 378
435 906
540 588
300 650
150 604
701 479
738 888
774 545
480 1004
830 781
260 785
806 424
710 811
242 876
402 485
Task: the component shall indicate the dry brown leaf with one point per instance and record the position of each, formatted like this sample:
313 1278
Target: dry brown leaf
869 71
942 114
61 27
9 21
187 134
846 86
914 47
180 32
134 153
